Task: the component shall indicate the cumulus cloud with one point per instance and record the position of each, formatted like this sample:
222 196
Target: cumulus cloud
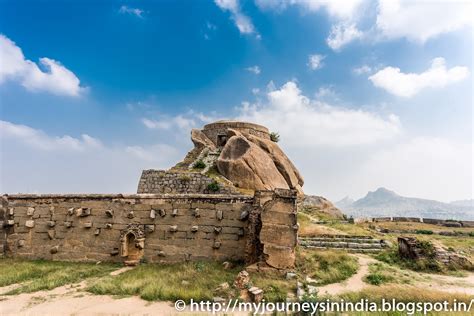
181 122
335 8
74 164
303 122
132 11
52 78
402 84
422 20
342 34
315 61
254 69
39 140
242 22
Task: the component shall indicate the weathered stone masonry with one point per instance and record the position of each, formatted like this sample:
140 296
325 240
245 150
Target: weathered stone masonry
151 227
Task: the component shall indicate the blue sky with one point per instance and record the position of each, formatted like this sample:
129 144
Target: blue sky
363 93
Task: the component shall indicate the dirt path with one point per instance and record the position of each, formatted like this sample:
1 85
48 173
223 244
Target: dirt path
451 284
71 300
354 283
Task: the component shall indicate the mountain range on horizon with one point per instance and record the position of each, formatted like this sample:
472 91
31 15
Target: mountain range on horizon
385 203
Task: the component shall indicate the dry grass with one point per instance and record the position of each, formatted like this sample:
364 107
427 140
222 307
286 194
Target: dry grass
309 229
404 293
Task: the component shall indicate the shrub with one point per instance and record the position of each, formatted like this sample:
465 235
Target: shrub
213 186
275 137
184 178
378 278
424 232
199 164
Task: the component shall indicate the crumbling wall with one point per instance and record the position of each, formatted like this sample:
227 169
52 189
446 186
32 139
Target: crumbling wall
273 229
161 181
168 228
3 227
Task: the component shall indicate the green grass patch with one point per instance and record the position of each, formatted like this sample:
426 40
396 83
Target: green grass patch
36 275
428 264
326 266
186 281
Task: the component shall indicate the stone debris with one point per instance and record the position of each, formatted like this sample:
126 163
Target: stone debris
30 223
242 280
88 225
256 294
173 228
219 215
152 214
195 228
109 213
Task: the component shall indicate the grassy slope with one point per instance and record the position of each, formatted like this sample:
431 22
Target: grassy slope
45 275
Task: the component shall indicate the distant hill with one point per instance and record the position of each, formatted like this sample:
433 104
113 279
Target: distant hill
468 203
383 202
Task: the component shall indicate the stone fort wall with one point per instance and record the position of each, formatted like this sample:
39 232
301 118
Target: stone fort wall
214 130
162 181
160 227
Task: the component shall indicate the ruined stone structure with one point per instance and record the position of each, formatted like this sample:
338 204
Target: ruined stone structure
178 215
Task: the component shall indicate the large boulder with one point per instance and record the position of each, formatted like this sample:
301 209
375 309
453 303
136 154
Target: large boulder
248 166
200 140
283 164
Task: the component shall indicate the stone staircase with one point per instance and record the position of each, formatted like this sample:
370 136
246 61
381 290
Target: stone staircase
358 244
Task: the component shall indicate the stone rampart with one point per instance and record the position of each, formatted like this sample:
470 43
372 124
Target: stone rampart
162 181
150 227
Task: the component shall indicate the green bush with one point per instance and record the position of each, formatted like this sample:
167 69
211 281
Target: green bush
424 232
378 278
275 137
213 186
199 164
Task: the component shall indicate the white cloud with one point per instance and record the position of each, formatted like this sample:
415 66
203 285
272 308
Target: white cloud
54 78
315 61
303 122
132 11
364 69
39 140
422 20
342 9
402 84
66 164
342 34
255 91
181 122
242 22
254 69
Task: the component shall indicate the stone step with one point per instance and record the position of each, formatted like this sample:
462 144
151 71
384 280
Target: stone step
351 250
332 244
353 240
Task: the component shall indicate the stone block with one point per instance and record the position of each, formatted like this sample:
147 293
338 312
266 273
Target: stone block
30 211
30 223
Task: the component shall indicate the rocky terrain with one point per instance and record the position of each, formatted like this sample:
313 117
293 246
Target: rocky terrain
383 202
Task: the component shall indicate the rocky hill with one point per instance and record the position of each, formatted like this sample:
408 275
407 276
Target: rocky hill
320 207
383 202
